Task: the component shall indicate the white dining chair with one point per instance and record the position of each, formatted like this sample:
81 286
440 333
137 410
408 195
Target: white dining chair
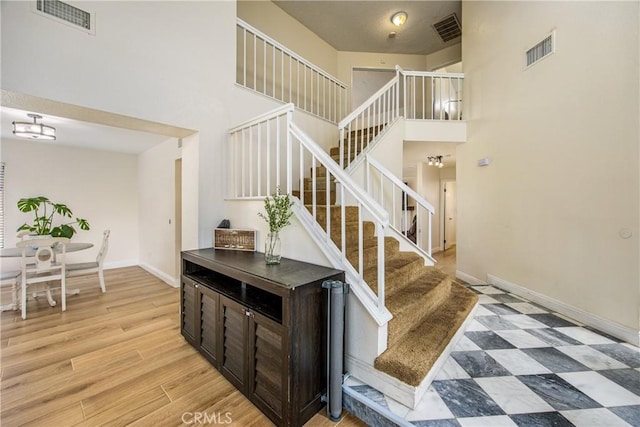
84 268
49 266
10 278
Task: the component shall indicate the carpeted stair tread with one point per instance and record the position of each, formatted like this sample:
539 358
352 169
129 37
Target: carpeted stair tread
370 252
398 270
411 358
412 302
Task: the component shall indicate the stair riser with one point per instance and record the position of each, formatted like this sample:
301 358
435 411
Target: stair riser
393 278
422 305
351 235
370 254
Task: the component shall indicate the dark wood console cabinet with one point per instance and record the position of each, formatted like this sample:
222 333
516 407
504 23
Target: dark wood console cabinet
262 326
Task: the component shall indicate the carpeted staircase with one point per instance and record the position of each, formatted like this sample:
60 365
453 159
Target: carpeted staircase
427 307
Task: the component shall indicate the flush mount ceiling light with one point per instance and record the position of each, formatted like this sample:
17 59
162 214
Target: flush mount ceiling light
399 18
34 130
435 161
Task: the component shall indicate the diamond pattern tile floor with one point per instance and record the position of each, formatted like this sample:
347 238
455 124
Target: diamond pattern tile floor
522 365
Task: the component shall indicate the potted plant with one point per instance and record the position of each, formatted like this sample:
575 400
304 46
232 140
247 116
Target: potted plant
278 215
44 211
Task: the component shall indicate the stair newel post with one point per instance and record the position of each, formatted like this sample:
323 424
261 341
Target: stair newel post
301 173
381 264
343 228
342 148
278 144
335 346
289 153
429 240
398 90
360 242
314 202
327 202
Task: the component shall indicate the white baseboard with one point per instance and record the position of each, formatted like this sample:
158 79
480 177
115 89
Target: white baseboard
120 264
469 278
175 283
625 333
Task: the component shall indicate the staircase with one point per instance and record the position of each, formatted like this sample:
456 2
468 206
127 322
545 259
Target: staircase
428 308
406 315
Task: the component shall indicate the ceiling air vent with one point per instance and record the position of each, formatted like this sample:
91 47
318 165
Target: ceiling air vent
541 50
448 28
66 13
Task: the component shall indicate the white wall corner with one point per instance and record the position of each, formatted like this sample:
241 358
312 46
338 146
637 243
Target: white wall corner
173 282
617 330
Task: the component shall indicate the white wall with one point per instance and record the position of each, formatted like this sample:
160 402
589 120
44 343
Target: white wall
444 57
169 62
156 183
296 242
347 61
98 186
557 210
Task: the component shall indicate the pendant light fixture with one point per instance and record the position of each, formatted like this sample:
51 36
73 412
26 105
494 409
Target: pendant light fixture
435 161
34 130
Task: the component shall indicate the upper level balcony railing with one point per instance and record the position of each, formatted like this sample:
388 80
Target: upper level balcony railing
268 67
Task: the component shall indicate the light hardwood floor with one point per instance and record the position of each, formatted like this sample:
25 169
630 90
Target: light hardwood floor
114 359
446 261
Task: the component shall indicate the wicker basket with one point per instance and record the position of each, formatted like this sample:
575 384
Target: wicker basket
234 239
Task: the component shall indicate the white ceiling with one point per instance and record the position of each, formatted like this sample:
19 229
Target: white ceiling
418 151
364 26
80 134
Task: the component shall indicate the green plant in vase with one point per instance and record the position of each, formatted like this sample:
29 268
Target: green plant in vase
44 211
278 215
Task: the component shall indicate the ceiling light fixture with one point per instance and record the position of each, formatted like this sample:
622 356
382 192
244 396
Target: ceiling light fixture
399 18
435 161
34 130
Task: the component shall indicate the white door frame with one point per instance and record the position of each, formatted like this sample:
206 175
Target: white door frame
443 216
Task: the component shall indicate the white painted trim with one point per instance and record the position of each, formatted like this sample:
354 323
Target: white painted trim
120 264
469 278
386 384
174 283
625 333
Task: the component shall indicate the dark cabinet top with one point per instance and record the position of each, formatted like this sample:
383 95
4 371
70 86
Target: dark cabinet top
288 274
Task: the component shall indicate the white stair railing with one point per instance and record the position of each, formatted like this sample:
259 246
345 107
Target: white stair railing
432 96
414 95
271 151
365 123
403 205
268 67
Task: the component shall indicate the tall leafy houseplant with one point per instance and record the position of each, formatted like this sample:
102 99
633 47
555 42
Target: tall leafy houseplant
278 215
44 211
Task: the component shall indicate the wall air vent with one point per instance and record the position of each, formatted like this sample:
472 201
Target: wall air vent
541 50
66 13
448 28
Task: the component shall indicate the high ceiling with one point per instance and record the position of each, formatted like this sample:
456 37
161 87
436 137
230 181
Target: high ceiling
81 134
364 26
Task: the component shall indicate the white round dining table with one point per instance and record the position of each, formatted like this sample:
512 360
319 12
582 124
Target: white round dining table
70 247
